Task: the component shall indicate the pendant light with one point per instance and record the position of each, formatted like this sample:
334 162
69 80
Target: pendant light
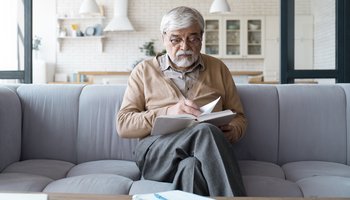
89 7
219 6
120 21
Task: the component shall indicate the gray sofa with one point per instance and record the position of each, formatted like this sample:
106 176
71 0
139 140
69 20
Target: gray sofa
62 138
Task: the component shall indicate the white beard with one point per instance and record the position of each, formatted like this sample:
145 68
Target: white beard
185 62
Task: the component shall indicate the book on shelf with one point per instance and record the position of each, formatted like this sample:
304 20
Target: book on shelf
172 123
170 195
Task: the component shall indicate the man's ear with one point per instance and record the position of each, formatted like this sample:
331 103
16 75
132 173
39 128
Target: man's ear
162 37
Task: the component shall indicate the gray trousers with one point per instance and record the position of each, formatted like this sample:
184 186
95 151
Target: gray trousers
197 159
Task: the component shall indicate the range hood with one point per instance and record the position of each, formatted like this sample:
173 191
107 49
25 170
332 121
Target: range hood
120 21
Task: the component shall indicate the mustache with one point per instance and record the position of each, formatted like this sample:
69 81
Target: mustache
182 52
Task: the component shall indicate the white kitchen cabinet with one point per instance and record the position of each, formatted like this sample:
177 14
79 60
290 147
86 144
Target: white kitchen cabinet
229 37
90 28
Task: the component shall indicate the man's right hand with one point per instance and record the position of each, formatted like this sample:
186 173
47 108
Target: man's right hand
184 106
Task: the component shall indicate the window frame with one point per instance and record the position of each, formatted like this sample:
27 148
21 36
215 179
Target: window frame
342 65
25 76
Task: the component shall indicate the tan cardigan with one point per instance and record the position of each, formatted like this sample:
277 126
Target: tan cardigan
150 93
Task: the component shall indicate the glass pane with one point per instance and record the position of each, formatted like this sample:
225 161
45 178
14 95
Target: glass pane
9 81
254 37
233 37
212 37
315 81
12 35
315 34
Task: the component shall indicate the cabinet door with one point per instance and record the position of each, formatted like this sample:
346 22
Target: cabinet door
254 38
211 41
232 38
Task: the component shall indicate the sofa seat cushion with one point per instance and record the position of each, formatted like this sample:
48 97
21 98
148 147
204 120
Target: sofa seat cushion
148 186
54 169
260 168
325 186
19 182
303 169
118 167
108 184
262 186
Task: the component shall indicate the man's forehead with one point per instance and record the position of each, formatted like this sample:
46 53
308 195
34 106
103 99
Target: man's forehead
192 30
183 32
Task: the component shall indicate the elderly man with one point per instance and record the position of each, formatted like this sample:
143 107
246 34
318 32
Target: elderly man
200 158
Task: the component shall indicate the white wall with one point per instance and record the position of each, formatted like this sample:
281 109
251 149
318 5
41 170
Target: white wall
44 26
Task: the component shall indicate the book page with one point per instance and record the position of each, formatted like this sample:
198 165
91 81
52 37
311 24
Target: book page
209 107
218 118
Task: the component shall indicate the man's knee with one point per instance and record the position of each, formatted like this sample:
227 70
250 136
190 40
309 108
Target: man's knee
208 130
190 162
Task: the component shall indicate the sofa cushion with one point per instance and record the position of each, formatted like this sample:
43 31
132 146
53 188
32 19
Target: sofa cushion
19 182
262 186
97 136
108 184
54 169
312 123
298 170
148 186
10 127
325 186
260 105
118 167
50 121
259 168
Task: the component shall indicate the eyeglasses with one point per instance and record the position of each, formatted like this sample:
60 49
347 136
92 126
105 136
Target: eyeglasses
192 40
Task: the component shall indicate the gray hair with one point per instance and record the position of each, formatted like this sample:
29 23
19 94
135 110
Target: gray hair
181 17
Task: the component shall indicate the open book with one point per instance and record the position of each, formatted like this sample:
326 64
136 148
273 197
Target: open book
170 195
172 123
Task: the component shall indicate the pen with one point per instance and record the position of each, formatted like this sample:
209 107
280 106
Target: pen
160 197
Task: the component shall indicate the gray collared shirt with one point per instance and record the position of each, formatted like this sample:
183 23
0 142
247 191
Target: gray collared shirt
184 80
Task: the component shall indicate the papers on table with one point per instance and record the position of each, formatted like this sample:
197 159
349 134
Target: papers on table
22 196
170 195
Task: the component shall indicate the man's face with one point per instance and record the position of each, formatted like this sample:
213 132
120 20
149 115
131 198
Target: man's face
184 45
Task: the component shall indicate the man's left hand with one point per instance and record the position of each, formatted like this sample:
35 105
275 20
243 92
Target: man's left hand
229 133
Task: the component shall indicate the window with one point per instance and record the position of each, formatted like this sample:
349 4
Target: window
15 40
314 41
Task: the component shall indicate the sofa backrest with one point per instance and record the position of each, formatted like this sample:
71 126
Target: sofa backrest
10 127
313 123
260 103
50 121
286 123
289 123
346 88
97 136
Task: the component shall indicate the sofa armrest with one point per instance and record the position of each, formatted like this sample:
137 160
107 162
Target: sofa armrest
10 127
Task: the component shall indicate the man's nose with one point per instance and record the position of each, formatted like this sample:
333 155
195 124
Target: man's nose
184 45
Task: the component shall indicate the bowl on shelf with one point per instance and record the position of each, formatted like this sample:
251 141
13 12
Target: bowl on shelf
253 27
232 27
211 26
